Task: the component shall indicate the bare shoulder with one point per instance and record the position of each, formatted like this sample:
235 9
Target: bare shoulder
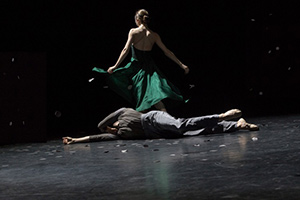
131 32
155 35
134 30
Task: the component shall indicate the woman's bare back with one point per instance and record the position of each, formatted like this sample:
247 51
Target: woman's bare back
143 38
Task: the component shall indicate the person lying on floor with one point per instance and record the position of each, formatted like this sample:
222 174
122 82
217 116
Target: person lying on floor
126 123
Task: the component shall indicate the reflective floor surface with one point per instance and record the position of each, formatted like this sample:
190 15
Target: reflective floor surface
241 165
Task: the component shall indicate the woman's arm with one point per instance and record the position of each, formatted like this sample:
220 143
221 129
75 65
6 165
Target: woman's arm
170 54
91 138
70 140
123 54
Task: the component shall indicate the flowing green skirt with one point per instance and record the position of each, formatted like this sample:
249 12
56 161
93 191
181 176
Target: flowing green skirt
141 82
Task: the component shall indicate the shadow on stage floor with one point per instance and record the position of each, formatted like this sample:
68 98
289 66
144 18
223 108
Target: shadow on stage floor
243 165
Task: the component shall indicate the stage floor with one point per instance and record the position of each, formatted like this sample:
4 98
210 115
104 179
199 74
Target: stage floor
242 165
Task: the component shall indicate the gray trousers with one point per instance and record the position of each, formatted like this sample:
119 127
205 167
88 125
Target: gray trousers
158 124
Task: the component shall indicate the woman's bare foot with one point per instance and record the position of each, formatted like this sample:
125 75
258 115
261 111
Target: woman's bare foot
160 106
243 125
68 140
230 114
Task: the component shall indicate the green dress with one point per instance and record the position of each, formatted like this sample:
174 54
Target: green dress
141 82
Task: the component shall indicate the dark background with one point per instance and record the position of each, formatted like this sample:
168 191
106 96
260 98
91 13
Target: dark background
242 54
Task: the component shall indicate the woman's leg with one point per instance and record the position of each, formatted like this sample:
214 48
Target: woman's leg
194 125
167 123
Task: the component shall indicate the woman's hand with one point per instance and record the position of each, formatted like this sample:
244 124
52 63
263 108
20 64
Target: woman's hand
111 69
111 130
68 140
186 69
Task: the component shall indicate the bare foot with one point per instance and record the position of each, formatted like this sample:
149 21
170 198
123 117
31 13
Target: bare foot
243 125
160 106
231 114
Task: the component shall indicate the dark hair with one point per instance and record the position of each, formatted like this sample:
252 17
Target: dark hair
143 16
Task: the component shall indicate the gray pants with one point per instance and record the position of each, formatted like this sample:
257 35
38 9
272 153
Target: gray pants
158 124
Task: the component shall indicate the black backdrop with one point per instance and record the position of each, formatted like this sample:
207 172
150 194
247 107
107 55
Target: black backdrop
242 54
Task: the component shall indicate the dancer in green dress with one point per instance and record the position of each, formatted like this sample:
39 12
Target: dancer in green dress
140 81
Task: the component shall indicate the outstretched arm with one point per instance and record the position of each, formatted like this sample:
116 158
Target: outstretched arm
123 54
91 138
70 140
170 54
